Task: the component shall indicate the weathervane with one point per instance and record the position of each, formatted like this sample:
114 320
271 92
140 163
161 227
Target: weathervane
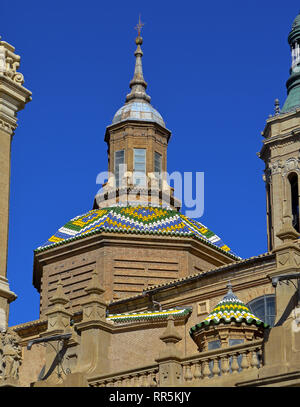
139 26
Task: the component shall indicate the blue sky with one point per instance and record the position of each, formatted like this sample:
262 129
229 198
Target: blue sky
213 70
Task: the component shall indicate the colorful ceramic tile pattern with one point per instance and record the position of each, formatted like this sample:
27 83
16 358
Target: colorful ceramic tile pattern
148 315
230 309
139 219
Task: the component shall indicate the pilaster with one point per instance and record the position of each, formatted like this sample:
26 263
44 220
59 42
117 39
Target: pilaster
281 345
94 331
170 368
13 98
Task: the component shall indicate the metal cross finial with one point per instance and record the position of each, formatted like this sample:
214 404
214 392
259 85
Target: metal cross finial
139 26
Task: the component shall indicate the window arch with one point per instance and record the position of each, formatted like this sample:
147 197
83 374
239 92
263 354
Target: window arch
264 308
294 194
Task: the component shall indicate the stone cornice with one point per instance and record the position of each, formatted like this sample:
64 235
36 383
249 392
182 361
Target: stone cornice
15 91
136 124
280 118
122 136
275 141
196 246
7 127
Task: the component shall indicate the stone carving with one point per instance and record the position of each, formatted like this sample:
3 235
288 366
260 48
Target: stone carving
8 127
9 63
297 259
10 356
276 167
280 167
283 258
292 164
267 176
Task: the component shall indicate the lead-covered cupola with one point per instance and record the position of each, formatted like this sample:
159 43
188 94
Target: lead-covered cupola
137 105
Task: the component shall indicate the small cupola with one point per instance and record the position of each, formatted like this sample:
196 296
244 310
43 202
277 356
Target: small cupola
230 323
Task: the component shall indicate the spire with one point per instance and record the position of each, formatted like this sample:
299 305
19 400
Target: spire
138 84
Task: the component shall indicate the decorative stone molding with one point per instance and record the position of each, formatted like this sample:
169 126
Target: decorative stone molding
292 164
7 127
281 167
58 316
276 167
9 63
267 176
170 369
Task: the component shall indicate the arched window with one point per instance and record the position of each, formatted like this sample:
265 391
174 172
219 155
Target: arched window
293 179
264 308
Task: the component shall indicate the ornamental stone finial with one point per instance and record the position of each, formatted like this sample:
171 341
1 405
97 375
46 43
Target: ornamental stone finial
277 107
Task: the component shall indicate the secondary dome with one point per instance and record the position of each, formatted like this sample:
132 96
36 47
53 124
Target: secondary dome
138 111
137 220
230 323
229 309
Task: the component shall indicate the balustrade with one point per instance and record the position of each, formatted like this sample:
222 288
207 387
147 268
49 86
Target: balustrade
222 362
140 378
197 369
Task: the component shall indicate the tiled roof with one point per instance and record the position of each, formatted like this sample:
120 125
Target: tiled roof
229 309
148 315
137 220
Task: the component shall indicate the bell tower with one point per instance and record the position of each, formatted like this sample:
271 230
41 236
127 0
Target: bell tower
281 154
137 143
13 98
